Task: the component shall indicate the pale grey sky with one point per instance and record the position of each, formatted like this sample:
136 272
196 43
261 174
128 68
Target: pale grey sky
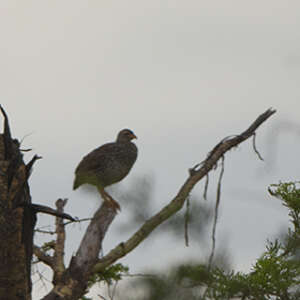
181 74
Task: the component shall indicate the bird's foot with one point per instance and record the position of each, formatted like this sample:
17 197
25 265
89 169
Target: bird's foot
110 200
113 203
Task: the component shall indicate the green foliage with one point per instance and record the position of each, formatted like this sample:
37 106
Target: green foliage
197 274
48 246
289 193
274 276
275 273
110 274
86 298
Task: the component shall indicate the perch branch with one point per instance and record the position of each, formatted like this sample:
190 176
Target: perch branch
91 243
76 277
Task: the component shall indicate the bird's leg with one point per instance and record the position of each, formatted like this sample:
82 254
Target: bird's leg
106 197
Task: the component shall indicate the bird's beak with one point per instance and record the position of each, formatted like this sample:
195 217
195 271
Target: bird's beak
133 136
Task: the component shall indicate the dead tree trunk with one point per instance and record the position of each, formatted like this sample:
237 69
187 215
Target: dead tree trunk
16 220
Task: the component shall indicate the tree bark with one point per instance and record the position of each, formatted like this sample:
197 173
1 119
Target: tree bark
16 220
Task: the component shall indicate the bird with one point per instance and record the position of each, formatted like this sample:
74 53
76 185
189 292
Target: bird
108 164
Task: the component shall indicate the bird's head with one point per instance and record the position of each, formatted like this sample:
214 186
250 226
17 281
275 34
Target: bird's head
125 136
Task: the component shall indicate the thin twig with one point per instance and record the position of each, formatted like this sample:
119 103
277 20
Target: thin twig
111 292
48 210
254 146
139 275
44 231
42 278
101 297
206 186
186 221
42 256
216 215
25 136
78 221
26 150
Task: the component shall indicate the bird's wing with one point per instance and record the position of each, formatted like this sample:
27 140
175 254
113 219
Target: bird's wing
96 159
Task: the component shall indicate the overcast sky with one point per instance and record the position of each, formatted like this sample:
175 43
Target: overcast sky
182 75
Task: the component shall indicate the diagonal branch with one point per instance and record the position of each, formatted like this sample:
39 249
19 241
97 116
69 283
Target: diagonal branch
176 204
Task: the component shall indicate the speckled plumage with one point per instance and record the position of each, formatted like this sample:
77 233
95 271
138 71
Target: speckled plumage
109 163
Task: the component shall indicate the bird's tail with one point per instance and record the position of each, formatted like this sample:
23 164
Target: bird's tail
76 183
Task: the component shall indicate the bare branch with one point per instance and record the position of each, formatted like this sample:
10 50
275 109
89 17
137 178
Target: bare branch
254 147
43 257
44 231
176 204
30 164
26 150
78 221
48 210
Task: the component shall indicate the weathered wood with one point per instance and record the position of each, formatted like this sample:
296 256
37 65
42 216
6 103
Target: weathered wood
16 223
17 220
73 283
